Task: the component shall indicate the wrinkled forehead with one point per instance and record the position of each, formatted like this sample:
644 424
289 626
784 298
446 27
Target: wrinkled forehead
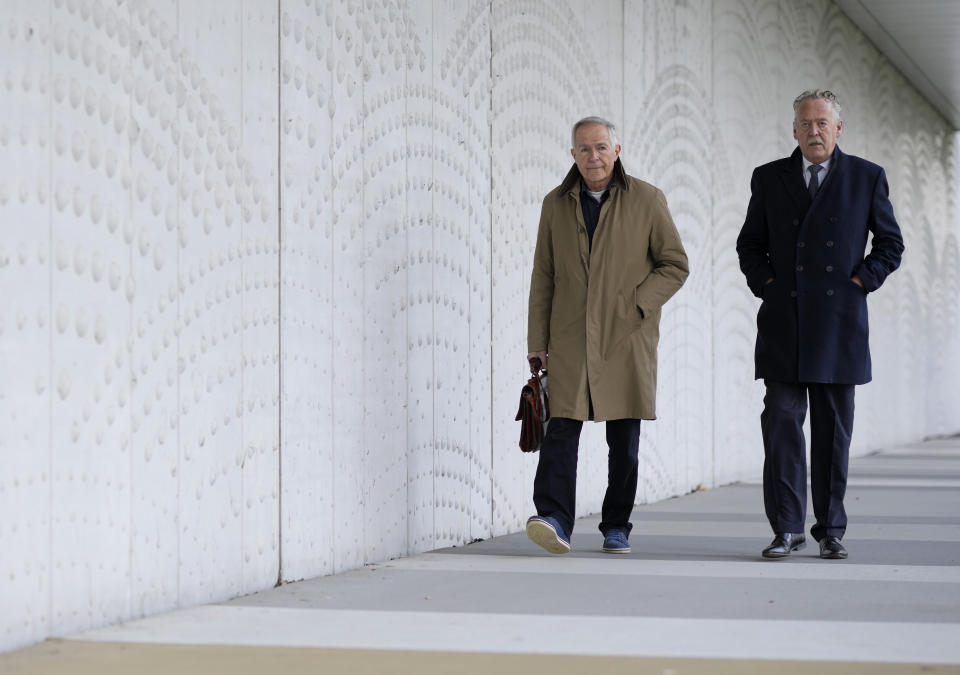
592 134
815 109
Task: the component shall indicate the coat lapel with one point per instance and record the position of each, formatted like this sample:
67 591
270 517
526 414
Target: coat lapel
792 177
837 165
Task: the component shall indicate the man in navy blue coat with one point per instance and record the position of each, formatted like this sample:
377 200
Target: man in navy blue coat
802 251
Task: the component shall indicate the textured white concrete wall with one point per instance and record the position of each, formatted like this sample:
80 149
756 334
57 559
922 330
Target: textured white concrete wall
264 269
139 352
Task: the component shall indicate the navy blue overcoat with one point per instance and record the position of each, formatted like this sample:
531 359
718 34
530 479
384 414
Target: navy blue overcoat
812 323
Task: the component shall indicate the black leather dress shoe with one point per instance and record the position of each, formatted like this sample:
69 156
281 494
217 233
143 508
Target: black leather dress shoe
832 549
784 544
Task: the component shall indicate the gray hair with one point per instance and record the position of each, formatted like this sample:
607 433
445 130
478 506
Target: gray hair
825 94
611 129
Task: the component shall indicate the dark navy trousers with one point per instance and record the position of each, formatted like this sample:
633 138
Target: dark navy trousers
555 486
785 459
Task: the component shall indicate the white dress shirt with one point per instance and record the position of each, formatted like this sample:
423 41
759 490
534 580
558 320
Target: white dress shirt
822 176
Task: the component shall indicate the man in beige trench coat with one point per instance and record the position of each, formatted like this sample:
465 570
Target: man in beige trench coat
608 257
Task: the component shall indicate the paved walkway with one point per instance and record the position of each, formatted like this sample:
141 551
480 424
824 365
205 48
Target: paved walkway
694 597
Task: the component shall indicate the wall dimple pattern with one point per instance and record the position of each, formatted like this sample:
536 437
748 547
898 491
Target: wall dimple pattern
260 432
89 416
398 125
668 122
382 370
265 271
149 247
156 467
306 153
25 316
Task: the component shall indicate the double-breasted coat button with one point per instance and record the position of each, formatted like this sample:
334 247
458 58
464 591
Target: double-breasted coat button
799 268
833 219
793 294
796 221
829 243
829 268
830 292
800 244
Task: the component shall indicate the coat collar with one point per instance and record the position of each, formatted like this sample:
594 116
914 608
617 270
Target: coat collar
793 176
571 183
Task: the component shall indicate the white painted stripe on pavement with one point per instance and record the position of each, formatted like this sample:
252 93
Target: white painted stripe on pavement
761 531
906 464
627 566
947 450
928 643
853 481
895 482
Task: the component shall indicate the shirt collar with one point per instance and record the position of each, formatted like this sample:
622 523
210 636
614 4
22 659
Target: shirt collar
603 193
807 164
618 179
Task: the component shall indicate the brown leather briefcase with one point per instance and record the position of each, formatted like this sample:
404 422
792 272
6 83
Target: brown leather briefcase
534 411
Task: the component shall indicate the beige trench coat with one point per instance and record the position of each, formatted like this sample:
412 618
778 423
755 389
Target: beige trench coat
597 313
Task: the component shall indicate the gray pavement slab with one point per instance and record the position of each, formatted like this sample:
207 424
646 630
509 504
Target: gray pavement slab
694 591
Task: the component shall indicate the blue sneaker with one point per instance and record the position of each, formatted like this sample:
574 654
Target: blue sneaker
546 532
615 541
